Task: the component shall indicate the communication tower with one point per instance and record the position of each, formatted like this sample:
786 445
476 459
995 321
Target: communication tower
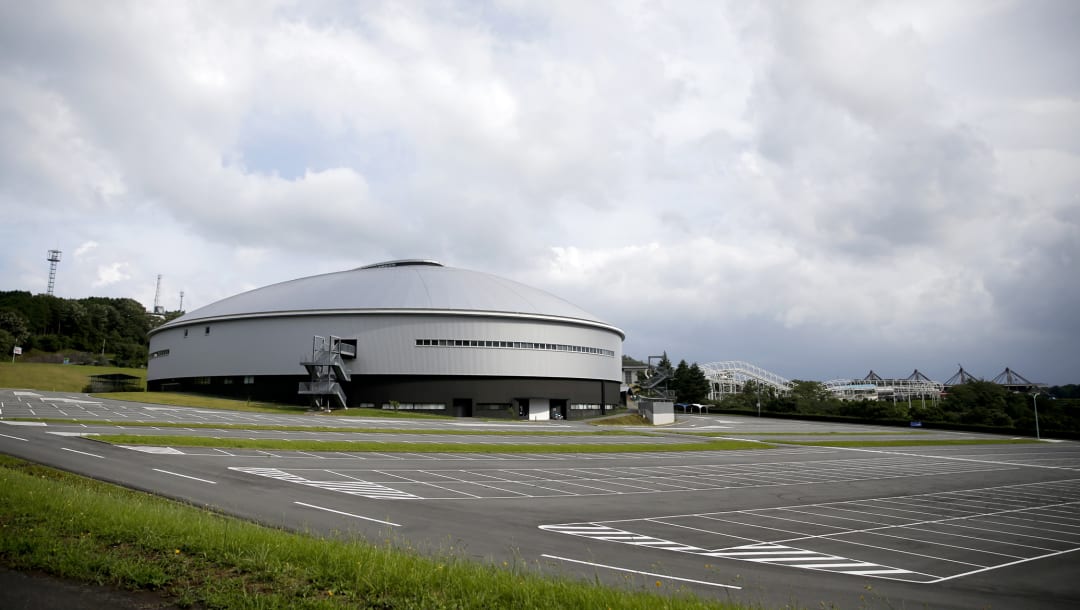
54 258
157 297
181 301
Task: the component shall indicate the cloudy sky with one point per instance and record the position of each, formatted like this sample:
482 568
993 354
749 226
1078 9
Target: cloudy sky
818 188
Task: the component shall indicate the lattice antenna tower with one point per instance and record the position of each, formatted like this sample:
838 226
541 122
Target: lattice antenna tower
54 259
157 296
181 301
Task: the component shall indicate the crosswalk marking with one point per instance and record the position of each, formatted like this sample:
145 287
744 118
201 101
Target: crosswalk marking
765 552
156 450
356 488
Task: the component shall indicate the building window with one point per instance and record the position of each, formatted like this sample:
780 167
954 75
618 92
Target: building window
553 347
185 332
207 331
202 381
419 406
249 379
159 354
228 381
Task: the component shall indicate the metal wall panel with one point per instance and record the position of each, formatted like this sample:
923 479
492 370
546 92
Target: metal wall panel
386 345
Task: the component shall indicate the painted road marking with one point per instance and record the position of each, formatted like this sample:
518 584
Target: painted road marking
775 554
177 474
18 438
100 457
156 450
355 487
330 510
909 538
653 574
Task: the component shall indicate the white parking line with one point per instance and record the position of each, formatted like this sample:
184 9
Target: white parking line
177 474
947 541
100 457
330 510
652 574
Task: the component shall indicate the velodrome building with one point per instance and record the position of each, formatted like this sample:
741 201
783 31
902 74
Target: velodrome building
410 334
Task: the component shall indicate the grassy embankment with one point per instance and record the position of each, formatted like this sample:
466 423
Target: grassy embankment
56 377
98 533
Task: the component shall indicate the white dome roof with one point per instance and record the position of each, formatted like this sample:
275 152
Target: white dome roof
412 286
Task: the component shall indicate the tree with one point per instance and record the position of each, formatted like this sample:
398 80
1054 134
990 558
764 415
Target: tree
679 381
664 364
697 385
7 341
16 325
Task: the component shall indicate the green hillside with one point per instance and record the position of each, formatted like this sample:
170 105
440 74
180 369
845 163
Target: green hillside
56 377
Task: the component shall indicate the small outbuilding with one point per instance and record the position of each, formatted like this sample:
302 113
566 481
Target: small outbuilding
115 382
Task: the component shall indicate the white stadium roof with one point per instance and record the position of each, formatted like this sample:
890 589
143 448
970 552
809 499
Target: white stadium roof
409 286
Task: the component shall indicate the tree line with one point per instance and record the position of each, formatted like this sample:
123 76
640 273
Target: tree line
976 404
686 383
101 330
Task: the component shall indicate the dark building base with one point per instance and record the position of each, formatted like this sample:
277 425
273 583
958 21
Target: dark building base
494 397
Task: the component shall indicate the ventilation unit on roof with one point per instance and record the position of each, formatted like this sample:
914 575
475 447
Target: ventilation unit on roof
410 262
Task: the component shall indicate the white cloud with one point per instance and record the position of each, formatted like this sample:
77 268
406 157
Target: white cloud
85 248
722 180
111 274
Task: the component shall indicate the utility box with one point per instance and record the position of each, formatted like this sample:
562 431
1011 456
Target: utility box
658 412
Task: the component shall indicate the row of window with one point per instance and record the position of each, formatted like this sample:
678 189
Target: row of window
555 347
248 380
158 354
206 331
438 406
408 406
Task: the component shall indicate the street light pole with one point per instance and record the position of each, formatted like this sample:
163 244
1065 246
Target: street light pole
1035 405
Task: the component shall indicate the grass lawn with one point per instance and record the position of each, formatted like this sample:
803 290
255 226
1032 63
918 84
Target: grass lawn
56 377
98 533
181 399
417 447
897 433
629 419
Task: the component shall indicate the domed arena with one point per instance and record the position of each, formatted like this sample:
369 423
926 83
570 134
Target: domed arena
408 335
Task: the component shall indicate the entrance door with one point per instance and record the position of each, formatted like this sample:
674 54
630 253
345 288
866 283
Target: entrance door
558 409
462 407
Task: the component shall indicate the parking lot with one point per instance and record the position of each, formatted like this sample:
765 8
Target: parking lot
939 526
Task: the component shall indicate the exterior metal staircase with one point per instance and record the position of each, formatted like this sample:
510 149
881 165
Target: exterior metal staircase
327 369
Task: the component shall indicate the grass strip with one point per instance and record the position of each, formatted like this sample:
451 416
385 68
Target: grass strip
629 419
276 428
101 534
915 442
56 377
179 399
899 433
418 447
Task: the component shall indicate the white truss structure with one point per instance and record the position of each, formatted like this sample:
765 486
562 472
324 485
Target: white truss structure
884 389
730 377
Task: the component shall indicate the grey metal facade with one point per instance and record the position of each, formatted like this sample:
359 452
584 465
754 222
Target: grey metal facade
430 341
